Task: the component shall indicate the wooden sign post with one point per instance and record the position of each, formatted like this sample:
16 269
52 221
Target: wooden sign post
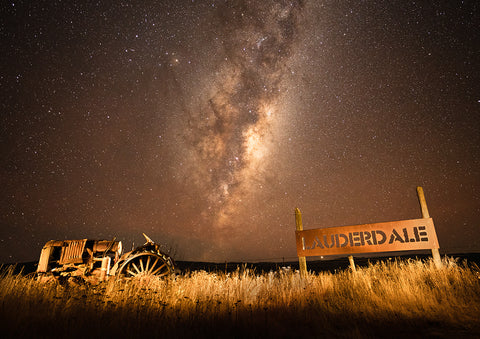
403 235
302 261
425 214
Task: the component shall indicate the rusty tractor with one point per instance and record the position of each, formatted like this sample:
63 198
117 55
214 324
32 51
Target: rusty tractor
96 260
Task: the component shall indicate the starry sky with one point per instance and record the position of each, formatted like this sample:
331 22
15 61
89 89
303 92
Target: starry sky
205 123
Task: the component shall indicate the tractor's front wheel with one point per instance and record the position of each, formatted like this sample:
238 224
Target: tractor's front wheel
147 263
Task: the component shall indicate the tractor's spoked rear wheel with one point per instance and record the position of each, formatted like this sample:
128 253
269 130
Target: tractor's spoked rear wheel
146 264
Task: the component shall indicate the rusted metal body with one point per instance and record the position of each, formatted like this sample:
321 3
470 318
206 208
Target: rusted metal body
96 260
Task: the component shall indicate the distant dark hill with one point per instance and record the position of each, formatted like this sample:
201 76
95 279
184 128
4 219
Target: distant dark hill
326 265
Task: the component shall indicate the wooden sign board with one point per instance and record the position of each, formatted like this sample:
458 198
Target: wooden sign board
404 235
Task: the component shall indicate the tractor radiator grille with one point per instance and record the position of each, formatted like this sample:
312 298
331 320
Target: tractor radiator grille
73 252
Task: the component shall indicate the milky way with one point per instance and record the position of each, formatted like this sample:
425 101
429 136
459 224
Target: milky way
205 123
229 130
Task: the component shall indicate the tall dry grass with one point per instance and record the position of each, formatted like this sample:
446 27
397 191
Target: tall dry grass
399 298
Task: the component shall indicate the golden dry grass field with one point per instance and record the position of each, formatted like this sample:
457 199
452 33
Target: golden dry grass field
402 298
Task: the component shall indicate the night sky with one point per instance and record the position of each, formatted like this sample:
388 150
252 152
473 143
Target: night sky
205 123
